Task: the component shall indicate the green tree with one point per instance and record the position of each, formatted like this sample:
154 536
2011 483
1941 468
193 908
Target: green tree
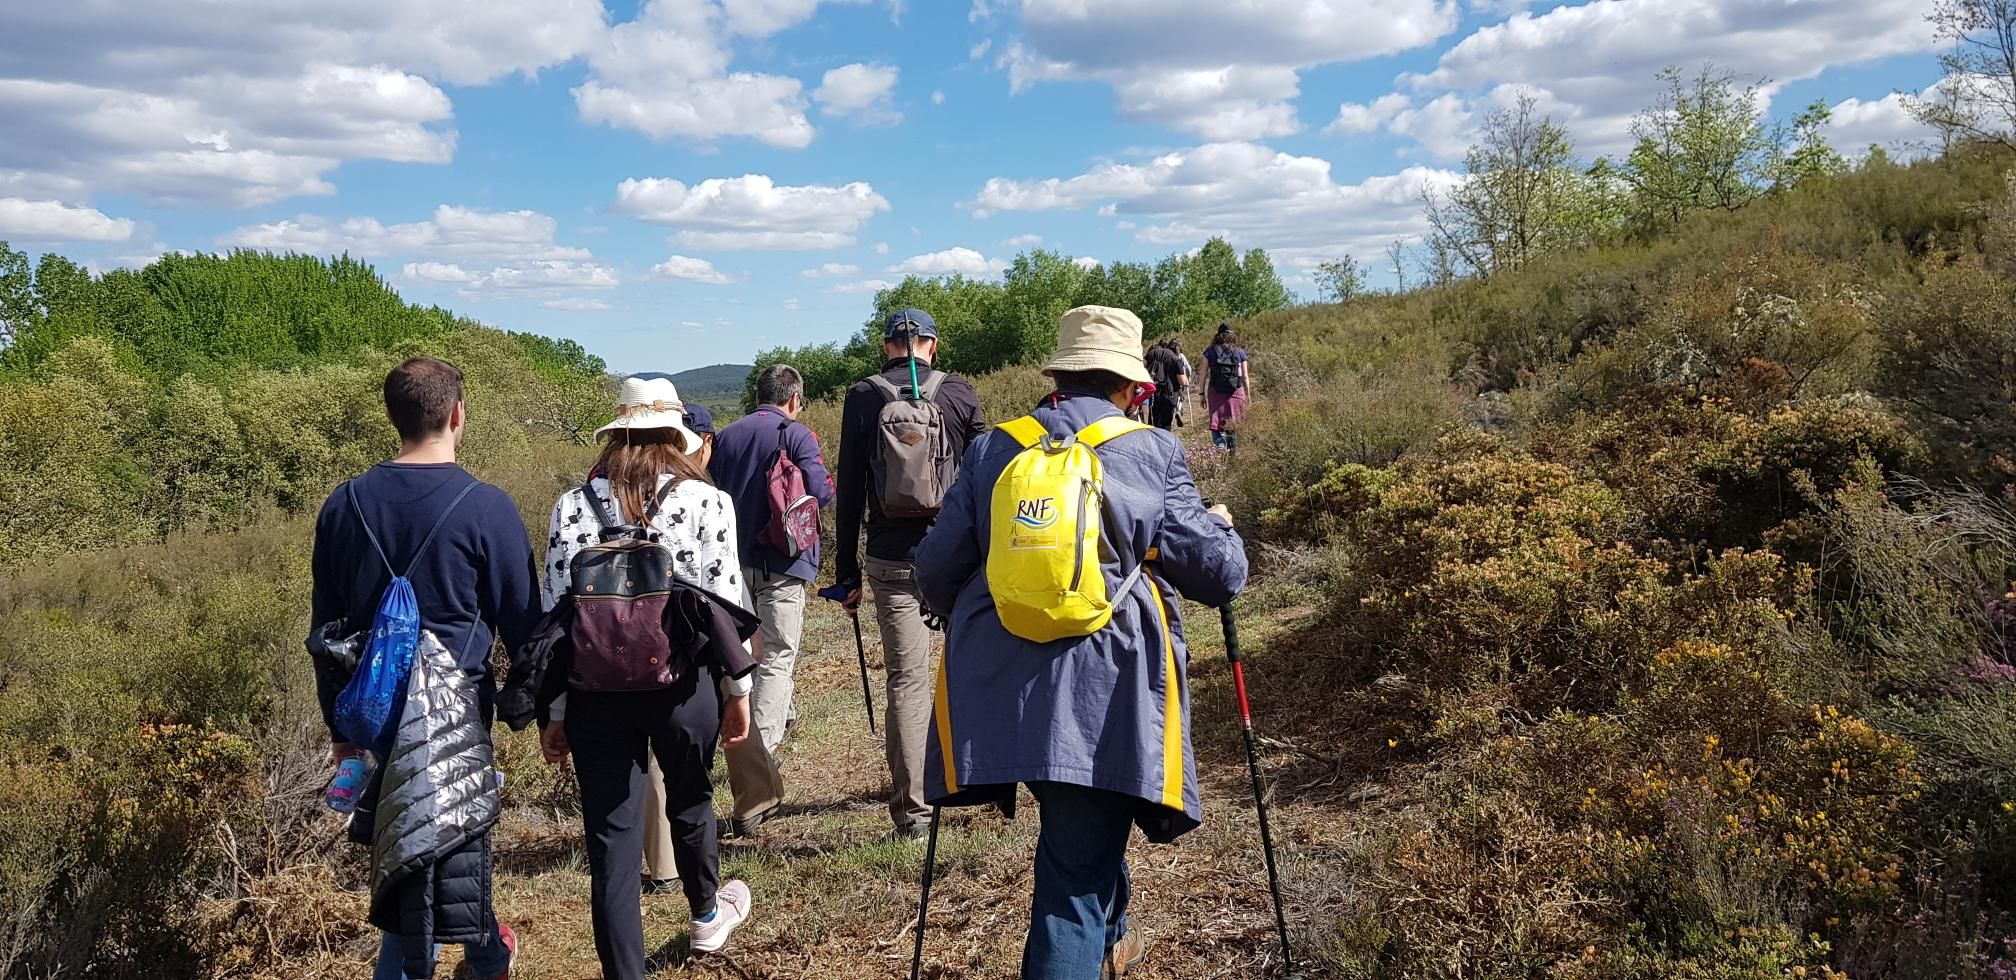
1340 280
1520 196
17 297
1975 98
1810 156
1703 146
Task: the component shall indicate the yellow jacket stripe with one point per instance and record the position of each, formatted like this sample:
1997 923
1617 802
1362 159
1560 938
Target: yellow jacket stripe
944 713
1172 708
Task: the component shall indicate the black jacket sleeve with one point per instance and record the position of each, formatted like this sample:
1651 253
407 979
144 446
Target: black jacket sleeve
850 485
327 605
961 405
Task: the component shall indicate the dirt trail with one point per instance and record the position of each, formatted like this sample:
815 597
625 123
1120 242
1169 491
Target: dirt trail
836 899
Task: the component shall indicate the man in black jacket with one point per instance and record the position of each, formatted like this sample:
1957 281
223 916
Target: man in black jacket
910 344
464 547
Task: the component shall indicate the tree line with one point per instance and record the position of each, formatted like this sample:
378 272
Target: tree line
201 389
984 325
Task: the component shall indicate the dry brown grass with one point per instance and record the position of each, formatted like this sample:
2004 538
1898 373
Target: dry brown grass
835 898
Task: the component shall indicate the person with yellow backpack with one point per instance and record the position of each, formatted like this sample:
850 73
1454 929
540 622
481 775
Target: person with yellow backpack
1058 563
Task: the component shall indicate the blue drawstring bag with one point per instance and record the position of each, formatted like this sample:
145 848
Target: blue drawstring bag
367 710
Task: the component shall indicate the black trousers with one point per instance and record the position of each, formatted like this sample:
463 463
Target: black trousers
1162 414
610 734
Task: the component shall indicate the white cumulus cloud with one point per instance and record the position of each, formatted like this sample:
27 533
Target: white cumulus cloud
832 270
248 104
860 92
1593 65
1857 124
538 275
438 272
667 74
53 221
751 211
576 304
864 286
1215 69
689 269
952 261
452 232
1246 192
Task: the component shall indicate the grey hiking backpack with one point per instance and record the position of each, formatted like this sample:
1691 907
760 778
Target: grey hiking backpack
912 464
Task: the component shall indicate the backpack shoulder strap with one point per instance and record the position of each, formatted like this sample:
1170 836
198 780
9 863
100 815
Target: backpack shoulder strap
443 519
658 502
1026 431
1108 429
602 515
350 490
886 388
927 390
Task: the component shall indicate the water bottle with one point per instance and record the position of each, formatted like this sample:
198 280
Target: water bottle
348 785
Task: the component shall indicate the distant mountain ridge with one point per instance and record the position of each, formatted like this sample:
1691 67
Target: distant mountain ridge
717 386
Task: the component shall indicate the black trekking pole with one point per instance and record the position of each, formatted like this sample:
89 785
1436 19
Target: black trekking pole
839 594
861 654
1253 766
924 900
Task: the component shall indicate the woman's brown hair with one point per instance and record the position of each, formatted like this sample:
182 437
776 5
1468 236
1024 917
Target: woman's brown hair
634 460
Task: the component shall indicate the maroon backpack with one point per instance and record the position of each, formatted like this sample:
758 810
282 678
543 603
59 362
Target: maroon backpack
620 587
794 514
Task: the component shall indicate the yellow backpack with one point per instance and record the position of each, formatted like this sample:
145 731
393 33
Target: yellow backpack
1044 542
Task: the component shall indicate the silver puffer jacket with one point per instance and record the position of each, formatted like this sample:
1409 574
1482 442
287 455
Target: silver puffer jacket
436 802
440 783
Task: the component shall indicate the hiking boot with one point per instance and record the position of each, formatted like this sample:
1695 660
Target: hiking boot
660 886
913 833
731 909
746 826
1125 955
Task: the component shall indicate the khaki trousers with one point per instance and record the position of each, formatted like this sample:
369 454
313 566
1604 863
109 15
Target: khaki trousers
658 862
780 604
753 778
906 653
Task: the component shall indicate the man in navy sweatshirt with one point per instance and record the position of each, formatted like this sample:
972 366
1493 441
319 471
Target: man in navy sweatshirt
744 453
472 581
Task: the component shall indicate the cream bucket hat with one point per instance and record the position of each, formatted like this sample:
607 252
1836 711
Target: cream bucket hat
1100 338
650 401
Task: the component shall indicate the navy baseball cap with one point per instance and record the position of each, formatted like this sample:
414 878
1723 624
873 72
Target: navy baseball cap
912 320
699 419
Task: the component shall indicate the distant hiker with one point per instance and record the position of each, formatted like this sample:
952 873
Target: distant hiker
1230 387
769 464
700 419
1171 373
1039 685
654 663
428 809
902 434
661 867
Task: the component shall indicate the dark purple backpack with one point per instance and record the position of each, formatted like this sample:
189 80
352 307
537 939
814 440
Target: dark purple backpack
620 587
794 514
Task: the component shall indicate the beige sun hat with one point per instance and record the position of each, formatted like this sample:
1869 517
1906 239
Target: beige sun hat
650 401
1100 338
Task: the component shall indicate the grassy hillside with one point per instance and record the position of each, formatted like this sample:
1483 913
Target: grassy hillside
1647 611
717 386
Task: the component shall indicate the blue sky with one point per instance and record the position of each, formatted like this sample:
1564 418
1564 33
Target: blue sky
675 183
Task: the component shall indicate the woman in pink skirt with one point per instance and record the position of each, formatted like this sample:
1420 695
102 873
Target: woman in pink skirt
1226 395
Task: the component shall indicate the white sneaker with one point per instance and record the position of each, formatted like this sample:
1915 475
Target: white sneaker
731 909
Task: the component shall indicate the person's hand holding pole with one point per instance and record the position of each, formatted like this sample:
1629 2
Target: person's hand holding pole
849 598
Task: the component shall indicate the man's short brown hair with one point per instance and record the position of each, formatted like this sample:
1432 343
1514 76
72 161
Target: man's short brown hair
420 395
